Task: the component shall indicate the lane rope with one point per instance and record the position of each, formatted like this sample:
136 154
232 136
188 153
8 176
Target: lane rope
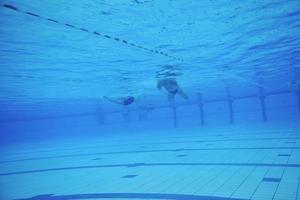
95 33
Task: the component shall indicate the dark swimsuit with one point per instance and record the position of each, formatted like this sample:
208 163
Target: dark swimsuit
128 101
174 91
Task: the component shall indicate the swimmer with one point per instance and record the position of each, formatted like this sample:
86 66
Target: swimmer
125 101
172 88
294 86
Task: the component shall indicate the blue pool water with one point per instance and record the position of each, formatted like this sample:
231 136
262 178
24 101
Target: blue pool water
224 125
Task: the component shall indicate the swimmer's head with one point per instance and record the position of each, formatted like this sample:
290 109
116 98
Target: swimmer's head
130 98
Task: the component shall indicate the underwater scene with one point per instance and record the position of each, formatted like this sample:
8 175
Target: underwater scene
150 99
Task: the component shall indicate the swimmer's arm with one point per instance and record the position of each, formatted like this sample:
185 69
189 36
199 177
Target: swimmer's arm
113 100
159 85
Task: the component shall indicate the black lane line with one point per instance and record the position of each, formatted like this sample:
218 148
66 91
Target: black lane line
130 176
146 151
128 196
150 165
271 180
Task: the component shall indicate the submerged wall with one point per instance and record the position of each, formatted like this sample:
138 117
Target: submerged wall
279 108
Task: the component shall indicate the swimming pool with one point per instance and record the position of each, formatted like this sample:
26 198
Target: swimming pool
150 99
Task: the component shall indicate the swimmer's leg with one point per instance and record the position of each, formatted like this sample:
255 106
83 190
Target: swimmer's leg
171 97
182 94
117 101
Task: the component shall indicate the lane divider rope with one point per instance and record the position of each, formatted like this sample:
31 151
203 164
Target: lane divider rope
14 8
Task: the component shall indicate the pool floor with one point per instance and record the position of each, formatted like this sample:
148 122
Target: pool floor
214 164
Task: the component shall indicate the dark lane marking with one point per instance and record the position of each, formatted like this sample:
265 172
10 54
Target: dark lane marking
129 176
181 155
150 165
286 155
97 158
276 180
147 151
290 142
128 196
141 2
135 165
